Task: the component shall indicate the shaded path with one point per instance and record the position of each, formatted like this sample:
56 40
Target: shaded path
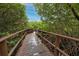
32 46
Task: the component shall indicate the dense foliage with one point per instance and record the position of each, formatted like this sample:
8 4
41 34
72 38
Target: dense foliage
12 18
60 18
37 25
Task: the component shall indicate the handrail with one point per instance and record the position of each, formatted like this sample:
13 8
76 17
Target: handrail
54 46
3 43
63 36
6 37
16 46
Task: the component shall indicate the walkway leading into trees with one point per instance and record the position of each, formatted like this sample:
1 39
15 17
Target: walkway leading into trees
38 43
32 46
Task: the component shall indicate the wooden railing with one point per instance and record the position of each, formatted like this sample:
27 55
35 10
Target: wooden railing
58 42
4 49
54 47
50 45
59 35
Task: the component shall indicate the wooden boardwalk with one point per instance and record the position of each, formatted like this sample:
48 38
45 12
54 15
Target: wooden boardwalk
32 46
36 43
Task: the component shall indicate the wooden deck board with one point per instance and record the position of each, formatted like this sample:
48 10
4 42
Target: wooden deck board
32 46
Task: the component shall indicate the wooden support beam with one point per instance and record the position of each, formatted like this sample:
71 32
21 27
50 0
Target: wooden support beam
57 44
3 49
58 41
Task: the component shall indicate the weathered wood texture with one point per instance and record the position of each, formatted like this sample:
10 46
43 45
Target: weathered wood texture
3 44
3 48
55 47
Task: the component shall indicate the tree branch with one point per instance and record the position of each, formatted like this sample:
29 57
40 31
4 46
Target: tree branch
73 11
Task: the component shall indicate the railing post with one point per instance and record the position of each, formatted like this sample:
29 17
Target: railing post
57 44
3 48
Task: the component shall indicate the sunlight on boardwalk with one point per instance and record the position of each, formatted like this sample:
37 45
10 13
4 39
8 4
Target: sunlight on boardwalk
32 46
